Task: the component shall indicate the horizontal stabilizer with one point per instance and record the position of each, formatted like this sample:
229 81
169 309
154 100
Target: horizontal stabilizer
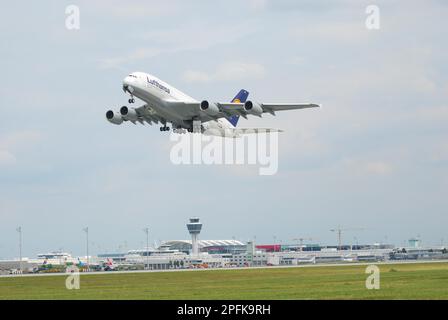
238 132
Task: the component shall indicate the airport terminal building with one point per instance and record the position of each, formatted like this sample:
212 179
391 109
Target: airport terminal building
207 246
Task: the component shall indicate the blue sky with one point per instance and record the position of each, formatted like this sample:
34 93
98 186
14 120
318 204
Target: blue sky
375 156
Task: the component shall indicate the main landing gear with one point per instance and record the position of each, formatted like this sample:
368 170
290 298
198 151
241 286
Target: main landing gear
165 128
131 100
196 128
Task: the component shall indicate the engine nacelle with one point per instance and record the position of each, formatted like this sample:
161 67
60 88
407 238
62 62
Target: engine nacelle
114 117
253 108
129 113
209 108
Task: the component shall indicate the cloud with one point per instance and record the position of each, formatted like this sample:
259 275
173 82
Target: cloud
134 56
133 9
7 158
368 167
258 4
229 71
336 32
384 95
196 76
188 37
15 142
440 155
19 139
379 167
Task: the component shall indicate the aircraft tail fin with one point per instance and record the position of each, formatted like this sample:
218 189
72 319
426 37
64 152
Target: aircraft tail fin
241 97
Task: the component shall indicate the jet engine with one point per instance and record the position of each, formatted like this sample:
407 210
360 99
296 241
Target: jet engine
114 117
129 113
209 108
253 108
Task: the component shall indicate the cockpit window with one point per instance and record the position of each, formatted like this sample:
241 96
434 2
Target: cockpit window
133 76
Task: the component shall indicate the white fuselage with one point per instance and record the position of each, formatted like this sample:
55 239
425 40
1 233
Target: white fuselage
162 97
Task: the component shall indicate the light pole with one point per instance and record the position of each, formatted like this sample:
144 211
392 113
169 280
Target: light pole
146 230
86 230
19 230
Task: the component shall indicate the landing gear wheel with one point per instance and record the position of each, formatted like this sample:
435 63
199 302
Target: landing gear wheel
131 100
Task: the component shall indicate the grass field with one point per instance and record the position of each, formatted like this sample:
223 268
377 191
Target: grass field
400 281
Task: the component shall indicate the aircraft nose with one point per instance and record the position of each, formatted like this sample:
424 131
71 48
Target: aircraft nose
127 80
127 84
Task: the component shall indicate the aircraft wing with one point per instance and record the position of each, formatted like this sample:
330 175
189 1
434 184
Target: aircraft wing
229 109
148 114
268 107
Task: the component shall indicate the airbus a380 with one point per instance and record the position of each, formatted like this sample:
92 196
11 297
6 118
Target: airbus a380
165 104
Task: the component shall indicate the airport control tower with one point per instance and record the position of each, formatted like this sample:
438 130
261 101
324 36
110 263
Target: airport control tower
194 227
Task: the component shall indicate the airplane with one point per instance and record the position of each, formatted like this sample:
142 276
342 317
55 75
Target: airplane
165 104
109 265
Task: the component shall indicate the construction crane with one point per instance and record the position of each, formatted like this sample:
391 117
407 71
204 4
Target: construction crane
339 231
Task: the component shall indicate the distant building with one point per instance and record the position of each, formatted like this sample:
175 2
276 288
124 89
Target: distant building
414 242
115 256
209 246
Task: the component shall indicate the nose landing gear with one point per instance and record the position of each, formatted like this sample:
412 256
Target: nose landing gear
130 90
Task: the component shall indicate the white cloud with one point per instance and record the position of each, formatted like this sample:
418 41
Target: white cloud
439 152
188 37
7 158
15 142
229 71
196 76
369 167
134 9
19 139
258 4
297 61
336 32
379 167
383 96
134 56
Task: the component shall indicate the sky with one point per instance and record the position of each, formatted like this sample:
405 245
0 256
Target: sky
374 158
